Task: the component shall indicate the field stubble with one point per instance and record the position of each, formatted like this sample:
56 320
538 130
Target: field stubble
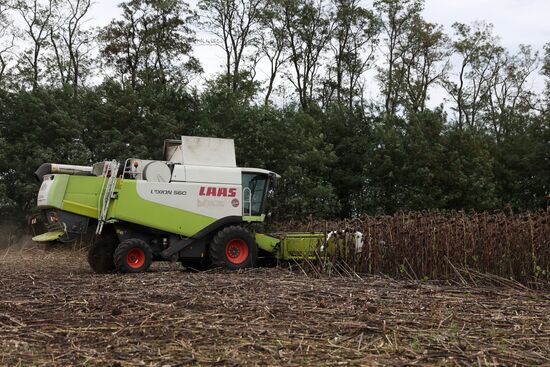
55 311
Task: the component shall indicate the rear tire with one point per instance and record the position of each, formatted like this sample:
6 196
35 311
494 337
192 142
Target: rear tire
102 250
133 256
234 248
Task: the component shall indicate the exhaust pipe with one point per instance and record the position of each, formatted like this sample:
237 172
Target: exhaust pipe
68 169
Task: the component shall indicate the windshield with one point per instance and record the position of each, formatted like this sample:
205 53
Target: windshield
254 188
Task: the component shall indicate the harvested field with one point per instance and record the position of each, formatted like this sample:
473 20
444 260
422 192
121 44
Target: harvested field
54 311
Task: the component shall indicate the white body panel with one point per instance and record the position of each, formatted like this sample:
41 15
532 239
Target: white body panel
70 169
173 151
199 151
178 174
157 171
259 170
212 200
221 175
42 199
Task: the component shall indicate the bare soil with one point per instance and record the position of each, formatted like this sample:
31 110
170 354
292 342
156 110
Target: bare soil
55 311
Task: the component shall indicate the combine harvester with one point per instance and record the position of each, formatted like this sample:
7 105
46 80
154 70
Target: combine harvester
196 206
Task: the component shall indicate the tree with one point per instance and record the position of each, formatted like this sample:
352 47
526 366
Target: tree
37 18
509 96
521 174
70 42
545 71
235 23
405 165
305 188
354 35
424 61
420 163
309 28
273 43
120 122
469 174
151 43
478 48
348 131
36 127
7 38
397 18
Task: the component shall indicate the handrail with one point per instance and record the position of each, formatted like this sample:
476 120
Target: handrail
247 189
124 172
99 197
106 193
127 171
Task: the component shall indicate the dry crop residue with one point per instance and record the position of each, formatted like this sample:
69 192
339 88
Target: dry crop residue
55 311
432 244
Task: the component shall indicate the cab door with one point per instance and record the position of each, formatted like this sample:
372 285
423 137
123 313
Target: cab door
255 186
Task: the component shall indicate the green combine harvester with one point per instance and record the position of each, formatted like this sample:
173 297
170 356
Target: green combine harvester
195 206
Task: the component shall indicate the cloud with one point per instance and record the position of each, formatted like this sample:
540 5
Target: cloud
516 21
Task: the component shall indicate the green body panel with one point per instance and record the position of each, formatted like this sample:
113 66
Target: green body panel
75 194
131 208
253 218
48 236
300 245
80 194
267 243
57 191
289 246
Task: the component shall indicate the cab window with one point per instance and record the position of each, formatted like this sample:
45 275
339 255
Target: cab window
254 188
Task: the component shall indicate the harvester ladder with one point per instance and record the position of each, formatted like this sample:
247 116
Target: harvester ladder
110 172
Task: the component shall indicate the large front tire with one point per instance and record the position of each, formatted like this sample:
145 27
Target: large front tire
233 247
133 256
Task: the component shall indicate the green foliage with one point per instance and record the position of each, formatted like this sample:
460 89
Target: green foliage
304 160
521 167
152 42
348 132
423 164
287 141
36 127
122 122
469 177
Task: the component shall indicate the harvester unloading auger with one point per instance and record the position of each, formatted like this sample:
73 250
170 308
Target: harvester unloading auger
196 206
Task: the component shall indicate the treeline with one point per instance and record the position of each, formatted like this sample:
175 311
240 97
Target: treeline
295 91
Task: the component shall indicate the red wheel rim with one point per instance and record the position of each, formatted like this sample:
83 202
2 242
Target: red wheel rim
135 258
236 251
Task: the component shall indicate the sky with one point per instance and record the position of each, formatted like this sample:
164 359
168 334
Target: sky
515 22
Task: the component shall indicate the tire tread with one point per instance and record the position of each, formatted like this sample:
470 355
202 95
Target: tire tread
122 250
218 243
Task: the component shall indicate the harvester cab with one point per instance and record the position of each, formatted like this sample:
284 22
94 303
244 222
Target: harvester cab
194 206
